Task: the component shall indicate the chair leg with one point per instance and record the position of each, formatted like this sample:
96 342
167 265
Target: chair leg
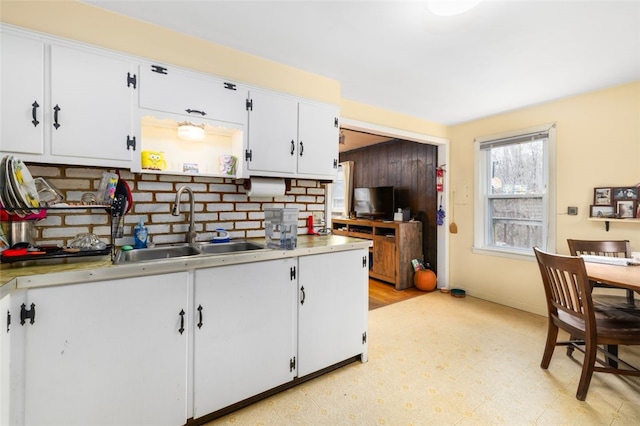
552 336
570 348
587 370
611 350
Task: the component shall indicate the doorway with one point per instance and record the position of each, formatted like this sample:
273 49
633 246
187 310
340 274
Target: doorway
413 154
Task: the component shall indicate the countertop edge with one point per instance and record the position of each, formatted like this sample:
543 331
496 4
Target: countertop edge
105 270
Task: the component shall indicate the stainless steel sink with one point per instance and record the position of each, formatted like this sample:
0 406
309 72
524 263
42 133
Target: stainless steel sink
230 247
199 249
156 253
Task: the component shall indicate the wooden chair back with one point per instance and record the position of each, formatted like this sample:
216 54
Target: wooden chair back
614 248
617 248
567 291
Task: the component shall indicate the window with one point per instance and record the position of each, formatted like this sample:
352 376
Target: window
514 196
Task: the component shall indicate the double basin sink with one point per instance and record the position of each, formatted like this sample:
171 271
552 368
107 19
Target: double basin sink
185 250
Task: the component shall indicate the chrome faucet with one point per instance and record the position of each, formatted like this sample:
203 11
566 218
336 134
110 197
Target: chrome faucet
191 235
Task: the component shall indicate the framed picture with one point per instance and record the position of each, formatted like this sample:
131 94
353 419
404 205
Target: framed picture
602 211
626 209
602 196
625 193
638 210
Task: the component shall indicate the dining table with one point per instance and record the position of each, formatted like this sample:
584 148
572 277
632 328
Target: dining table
625 276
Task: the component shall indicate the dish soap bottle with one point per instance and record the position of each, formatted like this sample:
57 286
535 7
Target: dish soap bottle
140 236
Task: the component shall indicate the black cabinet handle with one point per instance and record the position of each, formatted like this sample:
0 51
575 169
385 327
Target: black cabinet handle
181 329
189 111
304 295
293 147
24 314
55 116
301 148
34 108
200 316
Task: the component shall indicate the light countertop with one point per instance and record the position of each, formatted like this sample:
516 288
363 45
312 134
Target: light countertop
15 276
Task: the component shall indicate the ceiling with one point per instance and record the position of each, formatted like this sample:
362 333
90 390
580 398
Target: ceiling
396 55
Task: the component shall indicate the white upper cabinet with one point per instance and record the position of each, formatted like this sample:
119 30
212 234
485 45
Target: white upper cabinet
65 104
318 132
91 106
273 133
173 90
289 137
22 100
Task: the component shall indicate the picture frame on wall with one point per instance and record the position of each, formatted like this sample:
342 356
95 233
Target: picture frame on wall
626 209
625 193
602 211
602 196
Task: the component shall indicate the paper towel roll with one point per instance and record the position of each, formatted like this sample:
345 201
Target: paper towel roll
266 187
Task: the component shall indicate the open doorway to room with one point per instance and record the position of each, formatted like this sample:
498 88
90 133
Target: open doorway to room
408 162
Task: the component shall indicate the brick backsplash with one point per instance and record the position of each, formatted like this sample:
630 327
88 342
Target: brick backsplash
219 203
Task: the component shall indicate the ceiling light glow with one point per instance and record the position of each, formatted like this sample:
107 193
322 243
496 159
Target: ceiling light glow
190 132
451 7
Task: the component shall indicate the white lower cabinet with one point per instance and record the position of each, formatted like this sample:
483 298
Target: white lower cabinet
165 348
101 353
332 309
244 340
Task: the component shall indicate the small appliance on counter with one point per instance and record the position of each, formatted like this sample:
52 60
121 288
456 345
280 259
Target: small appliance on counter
281 227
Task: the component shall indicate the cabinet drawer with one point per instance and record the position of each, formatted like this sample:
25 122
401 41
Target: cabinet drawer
191 94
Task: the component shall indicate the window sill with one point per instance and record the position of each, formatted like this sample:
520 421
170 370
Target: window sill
510 254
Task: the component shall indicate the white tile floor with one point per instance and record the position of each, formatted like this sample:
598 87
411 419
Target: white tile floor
457 362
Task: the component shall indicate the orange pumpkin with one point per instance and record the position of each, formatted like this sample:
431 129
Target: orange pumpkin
425 280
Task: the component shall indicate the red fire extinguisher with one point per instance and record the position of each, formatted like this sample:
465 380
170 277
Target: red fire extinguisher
439 179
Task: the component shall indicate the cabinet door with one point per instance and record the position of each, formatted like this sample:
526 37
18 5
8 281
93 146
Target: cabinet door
317 140
384 258
91 105
245 336
182 92
273 133
332 308
106 353
22 100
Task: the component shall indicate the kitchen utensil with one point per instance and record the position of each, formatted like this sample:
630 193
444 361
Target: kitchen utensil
453 228
107 188
117 212
86 241
48 193
23 185
21 232
122 188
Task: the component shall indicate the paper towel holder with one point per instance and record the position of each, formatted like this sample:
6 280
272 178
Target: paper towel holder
246 184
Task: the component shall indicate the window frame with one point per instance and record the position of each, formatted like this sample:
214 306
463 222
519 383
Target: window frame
482 217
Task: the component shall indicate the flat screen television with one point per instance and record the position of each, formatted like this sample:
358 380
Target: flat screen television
374 203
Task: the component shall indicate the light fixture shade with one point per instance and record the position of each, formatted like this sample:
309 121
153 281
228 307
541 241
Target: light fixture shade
190 132
451 7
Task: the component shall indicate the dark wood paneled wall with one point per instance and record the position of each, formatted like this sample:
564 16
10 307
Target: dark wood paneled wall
410 168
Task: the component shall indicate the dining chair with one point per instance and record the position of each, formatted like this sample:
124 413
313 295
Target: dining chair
570 308
615 248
